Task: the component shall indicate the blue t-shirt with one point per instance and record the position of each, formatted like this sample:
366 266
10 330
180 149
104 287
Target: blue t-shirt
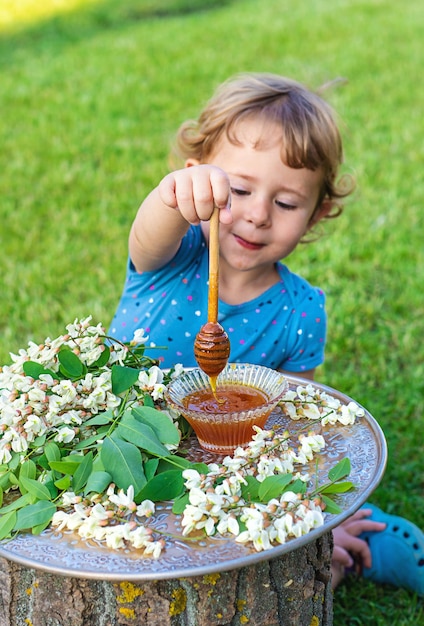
283 328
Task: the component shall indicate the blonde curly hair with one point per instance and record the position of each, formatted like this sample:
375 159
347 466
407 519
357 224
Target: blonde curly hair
310 135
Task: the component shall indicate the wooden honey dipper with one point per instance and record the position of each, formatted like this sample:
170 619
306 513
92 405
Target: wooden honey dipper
212 346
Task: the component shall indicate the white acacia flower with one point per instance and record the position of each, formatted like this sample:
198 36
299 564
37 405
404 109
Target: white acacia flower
117 535
145 509
310 444
154 548
147 380
34 426
64 434
124 500
69 498
178 369
140 537
5 455
139 337
192 478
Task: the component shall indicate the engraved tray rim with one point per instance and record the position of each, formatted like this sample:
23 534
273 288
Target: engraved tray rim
60 554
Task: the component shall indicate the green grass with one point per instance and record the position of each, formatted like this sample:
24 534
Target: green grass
89 102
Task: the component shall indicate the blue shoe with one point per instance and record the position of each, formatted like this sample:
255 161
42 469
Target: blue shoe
397 552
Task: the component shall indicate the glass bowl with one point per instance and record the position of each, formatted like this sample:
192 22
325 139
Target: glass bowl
245 396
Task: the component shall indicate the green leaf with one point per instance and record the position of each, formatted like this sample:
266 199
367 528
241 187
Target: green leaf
18 503
52 451
28 470
148 400
39 441
141 435
123 378
82 473
202 468
49 484
5 482
274 486
92 440
330 505
174 461
70 365
38 490
98 482
63 483
33 369
38 529
150 467
180 504
123 461
298 486
34 514
1 497
102 360
250 492
66 467
164 486
100 419
165 429
337 487
341 470
7 523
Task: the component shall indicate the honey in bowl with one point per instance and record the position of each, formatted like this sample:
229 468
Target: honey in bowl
223 420
226 416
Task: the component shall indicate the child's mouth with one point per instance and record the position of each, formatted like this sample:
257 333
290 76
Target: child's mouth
249 245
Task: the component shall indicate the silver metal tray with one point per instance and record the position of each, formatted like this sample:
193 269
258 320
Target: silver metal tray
66 554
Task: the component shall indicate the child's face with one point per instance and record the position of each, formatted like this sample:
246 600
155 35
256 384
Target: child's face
271 204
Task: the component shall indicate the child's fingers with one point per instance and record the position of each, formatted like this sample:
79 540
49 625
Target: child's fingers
341 557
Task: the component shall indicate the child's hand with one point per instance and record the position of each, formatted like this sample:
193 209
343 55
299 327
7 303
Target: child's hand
195 191
348 547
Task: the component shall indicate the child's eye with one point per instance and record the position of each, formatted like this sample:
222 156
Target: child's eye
239 192
284 205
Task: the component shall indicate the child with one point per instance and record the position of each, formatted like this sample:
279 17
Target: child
265 151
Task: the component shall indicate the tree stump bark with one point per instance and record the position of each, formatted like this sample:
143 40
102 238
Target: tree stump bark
291 590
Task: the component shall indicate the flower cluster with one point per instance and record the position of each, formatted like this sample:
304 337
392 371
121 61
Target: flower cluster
221 500
58 407
315 404
88 444
112 518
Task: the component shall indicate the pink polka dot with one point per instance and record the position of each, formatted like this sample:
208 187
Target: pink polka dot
163 322
263 355
185 281
317 319
147 329
164 294
257 310
151 287
190 298
274 322
242 342
304 314
179 354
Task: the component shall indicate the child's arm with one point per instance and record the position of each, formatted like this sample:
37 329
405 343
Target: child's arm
183 197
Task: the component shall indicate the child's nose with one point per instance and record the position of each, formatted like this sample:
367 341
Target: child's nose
260 213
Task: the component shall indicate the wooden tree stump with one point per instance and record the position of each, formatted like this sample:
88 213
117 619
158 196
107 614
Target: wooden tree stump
291 590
